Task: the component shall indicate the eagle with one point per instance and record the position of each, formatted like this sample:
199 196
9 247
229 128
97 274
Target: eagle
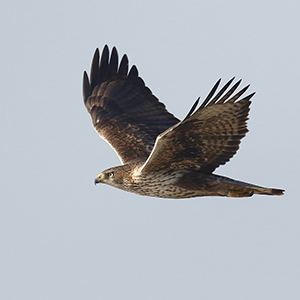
162 156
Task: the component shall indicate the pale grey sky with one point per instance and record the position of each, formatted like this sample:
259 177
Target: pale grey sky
64 238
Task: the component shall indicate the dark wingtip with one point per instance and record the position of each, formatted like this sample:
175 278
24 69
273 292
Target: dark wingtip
123 68
94 74
239 94
211 93
86 88
249 96
133 72
192 109
125 59
113 63
221 92
104 55
105 48
96 56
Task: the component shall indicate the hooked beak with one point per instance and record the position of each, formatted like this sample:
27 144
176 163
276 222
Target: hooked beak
98 179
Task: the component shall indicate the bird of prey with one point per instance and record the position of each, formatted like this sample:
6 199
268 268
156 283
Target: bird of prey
162 156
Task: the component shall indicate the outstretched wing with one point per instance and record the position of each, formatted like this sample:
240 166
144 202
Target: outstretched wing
206 139
124 111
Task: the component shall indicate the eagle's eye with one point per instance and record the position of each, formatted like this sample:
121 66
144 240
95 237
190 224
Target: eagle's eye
110 174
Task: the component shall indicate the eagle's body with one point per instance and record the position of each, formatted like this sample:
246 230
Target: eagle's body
161 155
178 184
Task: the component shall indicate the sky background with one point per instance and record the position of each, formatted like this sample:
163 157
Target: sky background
64 238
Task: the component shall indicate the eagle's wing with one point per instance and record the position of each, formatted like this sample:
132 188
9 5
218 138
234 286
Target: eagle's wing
206 139
124 111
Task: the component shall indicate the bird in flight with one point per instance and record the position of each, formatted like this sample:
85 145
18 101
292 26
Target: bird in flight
162 156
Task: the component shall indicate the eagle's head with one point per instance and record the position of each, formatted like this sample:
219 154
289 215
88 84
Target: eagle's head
118 177
105 177
108 176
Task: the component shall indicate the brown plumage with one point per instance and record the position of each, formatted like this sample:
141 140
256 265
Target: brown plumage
161 155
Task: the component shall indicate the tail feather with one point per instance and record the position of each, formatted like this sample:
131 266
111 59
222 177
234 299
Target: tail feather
268 191
242 189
